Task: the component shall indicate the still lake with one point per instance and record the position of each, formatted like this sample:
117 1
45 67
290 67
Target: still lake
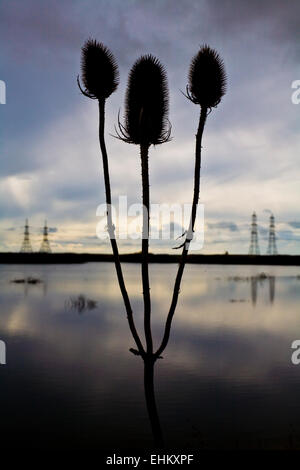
226 380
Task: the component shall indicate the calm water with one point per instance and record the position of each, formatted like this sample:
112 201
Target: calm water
226 380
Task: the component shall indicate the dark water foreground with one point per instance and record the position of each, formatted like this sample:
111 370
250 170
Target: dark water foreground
226 380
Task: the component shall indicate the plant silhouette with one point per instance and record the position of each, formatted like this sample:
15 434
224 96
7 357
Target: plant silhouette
146 123
100 78
207 85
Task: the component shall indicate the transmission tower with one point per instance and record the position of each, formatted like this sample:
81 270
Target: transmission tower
26 245
272 249
45 246
254 248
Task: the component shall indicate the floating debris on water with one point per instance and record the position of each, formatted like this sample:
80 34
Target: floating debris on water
259 277
80 303
27 280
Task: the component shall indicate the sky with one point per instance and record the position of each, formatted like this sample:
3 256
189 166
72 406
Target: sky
50 165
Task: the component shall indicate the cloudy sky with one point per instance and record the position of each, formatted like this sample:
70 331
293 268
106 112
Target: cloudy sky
50 165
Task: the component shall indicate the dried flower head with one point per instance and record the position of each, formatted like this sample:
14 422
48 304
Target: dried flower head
99 71
207 78
146 104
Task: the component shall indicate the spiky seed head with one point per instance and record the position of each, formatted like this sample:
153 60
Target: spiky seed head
146 104
207 78
99 70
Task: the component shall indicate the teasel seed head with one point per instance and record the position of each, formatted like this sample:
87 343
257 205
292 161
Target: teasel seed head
146 104
207 78
99 71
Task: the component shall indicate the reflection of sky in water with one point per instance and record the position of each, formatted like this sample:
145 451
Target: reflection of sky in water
226 375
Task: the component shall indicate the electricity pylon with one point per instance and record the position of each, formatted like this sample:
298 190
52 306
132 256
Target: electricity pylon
26 245
254 248
272 248
45 246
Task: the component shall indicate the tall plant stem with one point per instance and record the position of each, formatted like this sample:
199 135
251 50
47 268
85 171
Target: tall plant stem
145 247
151 403
189 236
111 229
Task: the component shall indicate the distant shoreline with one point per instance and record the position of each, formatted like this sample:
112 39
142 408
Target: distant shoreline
76 258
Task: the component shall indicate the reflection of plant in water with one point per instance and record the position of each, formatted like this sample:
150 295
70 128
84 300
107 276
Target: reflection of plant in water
146 123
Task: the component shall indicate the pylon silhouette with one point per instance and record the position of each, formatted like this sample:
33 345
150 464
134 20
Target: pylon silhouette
272 248
254 248
45 246
26 245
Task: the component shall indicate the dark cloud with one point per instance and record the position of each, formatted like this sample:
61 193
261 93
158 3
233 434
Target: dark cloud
223 225
294 224
245 137
286 235
280 19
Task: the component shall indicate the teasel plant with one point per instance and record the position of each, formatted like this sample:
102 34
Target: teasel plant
146 123
100 78
206 87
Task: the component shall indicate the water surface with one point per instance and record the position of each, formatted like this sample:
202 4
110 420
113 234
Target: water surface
226 379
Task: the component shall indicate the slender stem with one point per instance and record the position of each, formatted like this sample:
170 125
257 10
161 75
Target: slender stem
111 229
145 247
151 403
189 236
